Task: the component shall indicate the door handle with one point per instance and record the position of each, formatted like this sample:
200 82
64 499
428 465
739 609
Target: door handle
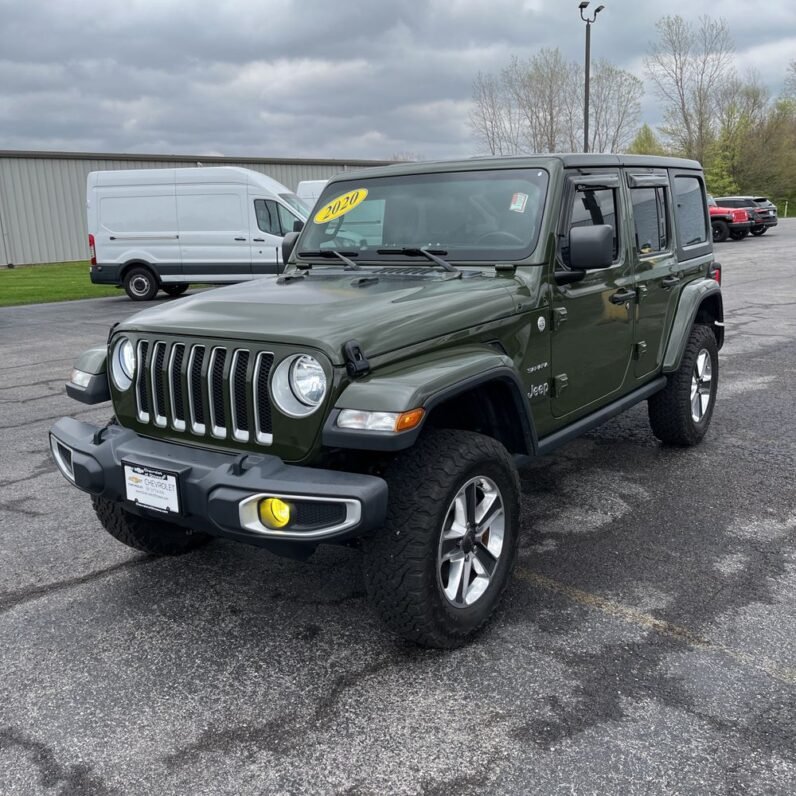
670 281
240 238
621 296
259 240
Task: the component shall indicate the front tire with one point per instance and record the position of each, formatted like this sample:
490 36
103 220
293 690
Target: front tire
680 413
720 231
738 234
140 283
174 290
437 570
151 536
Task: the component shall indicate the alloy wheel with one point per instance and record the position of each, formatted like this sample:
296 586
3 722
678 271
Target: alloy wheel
701 385
471 542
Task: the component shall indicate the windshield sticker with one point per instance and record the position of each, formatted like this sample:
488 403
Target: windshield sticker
340 205
518 202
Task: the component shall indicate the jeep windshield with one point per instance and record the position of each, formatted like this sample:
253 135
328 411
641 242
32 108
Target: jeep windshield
472 216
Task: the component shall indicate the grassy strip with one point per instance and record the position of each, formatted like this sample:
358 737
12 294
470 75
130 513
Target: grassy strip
54 282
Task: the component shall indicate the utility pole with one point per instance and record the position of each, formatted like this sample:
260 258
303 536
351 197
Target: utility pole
587 67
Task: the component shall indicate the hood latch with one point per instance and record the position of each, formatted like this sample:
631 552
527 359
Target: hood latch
356 363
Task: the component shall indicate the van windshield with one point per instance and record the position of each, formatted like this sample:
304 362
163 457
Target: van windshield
297 204
491 215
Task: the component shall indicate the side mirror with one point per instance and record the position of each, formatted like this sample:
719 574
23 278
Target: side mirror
288 244
591 247
298 225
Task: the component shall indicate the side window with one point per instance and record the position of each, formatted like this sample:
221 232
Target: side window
267 217
690 210
595 206
650 219
286 219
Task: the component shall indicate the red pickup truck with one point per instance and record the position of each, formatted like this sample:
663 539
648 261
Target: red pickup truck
728 222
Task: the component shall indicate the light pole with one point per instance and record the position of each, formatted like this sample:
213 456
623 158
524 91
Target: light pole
589 21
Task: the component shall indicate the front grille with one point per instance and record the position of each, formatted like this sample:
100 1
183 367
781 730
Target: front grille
205 390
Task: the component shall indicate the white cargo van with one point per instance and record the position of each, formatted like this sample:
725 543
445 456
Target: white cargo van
167 228
309 191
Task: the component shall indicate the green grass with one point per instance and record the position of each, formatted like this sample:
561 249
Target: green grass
32 284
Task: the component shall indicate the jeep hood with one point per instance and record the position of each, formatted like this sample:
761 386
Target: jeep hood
325 311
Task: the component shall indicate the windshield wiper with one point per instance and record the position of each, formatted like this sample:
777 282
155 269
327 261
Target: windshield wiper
429 254
350 265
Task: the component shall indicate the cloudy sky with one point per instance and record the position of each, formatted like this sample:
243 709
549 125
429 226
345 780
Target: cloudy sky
303 78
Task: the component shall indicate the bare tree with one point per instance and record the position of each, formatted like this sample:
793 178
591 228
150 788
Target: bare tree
615 105
790 82
688 66
494 118
536 105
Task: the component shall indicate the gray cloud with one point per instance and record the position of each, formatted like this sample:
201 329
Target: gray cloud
352 78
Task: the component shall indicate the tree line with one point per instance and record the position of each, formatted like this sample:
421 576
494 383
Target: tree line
744 138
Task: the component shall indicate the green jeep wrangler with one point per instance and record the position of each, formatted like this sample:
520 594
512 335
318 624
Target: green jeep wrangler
436 325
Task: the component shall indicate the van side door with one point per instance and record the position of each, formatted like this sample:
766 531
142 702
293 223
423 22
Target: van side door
270 222
655 265
214 232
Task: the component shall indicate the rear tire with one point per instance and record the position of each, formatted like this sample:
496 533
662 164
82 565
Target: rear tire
437 570
680 413
174 290
758 231
720 231
140 283
151 536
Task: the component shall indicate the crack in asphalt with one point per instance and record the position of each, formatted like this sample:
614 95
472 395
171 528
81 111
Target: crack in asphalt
46 465
281 734
74 779
16 507
13 599
50 417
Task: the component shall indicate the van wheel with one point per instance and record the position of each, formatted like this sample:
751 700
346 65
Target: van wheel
140 284
174 290
758 231
680 413
720 231
437 570
739 234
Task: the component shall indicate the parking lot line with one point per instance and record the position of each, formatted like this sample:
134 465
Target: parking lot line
783 674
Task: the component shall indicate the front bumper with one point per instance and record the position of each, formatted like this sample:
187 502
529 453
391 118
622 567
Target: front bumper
212 486
740 224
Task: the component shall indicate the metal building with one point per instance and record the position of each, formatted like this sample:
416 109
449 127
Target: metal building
43 194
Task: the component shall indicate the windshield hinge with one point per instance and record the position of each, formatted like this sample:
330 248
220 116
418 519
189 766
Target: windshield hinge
356 363
559 317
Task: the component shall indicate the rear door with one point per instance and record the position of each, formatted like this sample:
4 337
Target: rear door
655 265
214 232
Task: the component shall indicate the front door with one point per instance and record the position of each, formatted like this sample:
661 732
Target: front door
270 221
592 336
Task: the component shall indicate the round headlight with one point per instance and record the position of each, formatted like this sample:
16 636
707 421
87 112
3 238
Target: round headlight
298 385
123 364
307 380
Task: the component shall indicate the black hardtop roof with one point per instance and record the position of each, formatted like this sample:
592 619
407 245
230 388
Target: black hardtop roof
748 198
567 160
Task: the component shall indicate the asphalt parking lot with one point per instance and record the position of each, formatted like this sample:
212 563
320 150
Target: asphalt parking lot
647 643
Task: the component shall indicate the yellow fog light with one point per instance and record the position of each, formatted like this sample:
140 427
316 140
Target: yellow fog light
274 513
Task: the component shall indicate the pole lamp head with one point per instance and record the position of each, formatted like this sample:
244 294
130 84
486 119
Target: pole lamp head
584 5
598 9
